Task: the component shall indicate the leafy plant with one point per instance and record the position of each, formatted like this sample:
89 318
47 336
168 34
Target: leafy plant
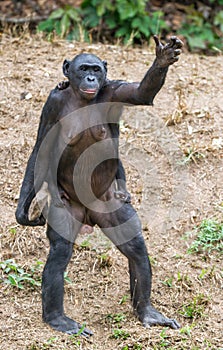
187 329
164 342
116 318
86 244
195 308
16 276
127 19
74 337
209 237
191 155
67 278
104 260
168 282
218 19
135 346
201 32
123 299
120 334
44 346
63 21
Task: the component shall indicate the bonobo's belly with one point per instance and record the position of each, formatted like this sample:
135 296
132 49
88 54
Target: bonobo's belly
88 164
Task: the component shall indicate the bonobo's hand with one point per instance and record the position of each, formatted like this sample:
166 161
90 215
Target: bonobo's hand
23 219
63 85
169 53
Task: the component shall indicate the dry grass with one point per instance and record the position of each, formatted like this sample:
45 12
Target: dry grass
175 176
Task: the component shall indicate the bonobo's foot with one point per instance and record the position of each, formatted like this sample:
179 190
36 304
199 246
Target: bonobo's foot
152 317
67 325
123 196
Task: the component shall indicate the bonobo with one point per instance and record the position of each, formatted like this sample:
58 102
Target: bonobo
76 154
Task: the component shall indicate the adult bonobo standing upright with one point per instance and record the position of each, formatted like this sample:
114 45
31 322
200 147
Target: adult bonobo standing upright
76 153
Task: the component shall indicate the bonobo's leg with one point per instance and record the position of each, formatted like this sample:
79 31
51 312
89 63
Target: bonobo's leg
140 284
53 274
124 229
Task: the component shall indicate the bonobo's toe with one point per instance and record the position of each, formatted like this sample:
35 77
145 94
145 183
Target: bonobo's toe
85 332
161 321
67 325
173 323
152 317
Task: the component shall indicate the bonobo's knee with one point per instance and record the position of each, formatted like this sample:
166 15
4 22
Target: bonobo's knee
135 249
60 253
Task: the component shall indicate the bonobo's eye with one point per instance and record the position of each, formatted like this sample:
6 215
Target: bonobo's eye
97 69
83 67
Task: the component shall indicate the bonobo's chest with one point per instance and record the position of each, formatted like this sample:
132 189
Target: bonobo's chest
84 127
89 153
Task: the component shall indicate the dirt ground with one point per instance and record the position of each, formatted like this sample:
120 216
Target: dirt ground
173 157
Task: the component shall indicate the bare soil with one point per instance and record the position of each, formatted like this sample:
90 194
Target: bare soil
173 157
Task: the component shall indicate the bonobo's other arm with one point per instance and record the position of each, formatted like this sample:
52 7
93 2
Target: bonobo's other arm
143 93
31 185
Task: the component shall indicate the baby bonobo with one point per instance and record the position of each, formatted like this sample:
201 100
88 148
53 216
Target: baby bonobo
76 155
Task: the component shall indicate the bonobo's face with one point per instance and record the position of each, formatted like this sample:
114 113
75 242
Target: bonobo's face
86 73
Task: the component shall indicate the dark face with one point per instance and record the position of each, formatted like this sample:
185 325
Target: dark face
86 73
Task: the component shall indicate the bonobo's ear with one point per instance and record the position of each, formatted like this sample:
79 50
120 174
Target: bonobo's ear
105 65
66 65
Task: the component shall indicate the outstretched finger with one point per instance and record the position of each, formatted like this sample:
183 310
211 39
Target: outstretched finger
156 39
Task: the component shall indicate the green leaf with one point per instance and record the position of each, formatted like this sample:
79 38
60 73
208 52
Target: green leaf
65 24
126 9
46 26
142 24
57 27
122 31
218 20
90 18
111 23
101 8
196 42
13 280
73 14
57 14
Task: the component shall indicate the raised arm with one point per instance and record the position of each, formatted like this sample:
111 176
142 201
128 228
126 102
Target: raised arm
144 92
30 184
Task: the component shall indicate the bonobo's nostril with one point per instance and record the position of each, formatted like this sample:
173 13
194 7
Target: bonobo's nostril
90 78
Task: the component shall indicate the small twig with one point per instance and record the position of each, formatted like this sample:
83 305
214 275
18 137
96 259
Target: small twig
22 20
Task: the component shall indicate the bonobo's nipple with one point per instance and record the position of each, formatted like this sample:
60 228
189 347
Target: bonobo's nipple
99 132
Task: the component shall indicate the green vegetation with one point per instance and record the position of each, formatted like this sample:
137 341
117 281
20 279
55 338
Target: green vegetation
209 237
45 346
195 308
200 33
131 22
126 19
120 334
123 299
15 276
135 346
116 318
192 155
168 282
